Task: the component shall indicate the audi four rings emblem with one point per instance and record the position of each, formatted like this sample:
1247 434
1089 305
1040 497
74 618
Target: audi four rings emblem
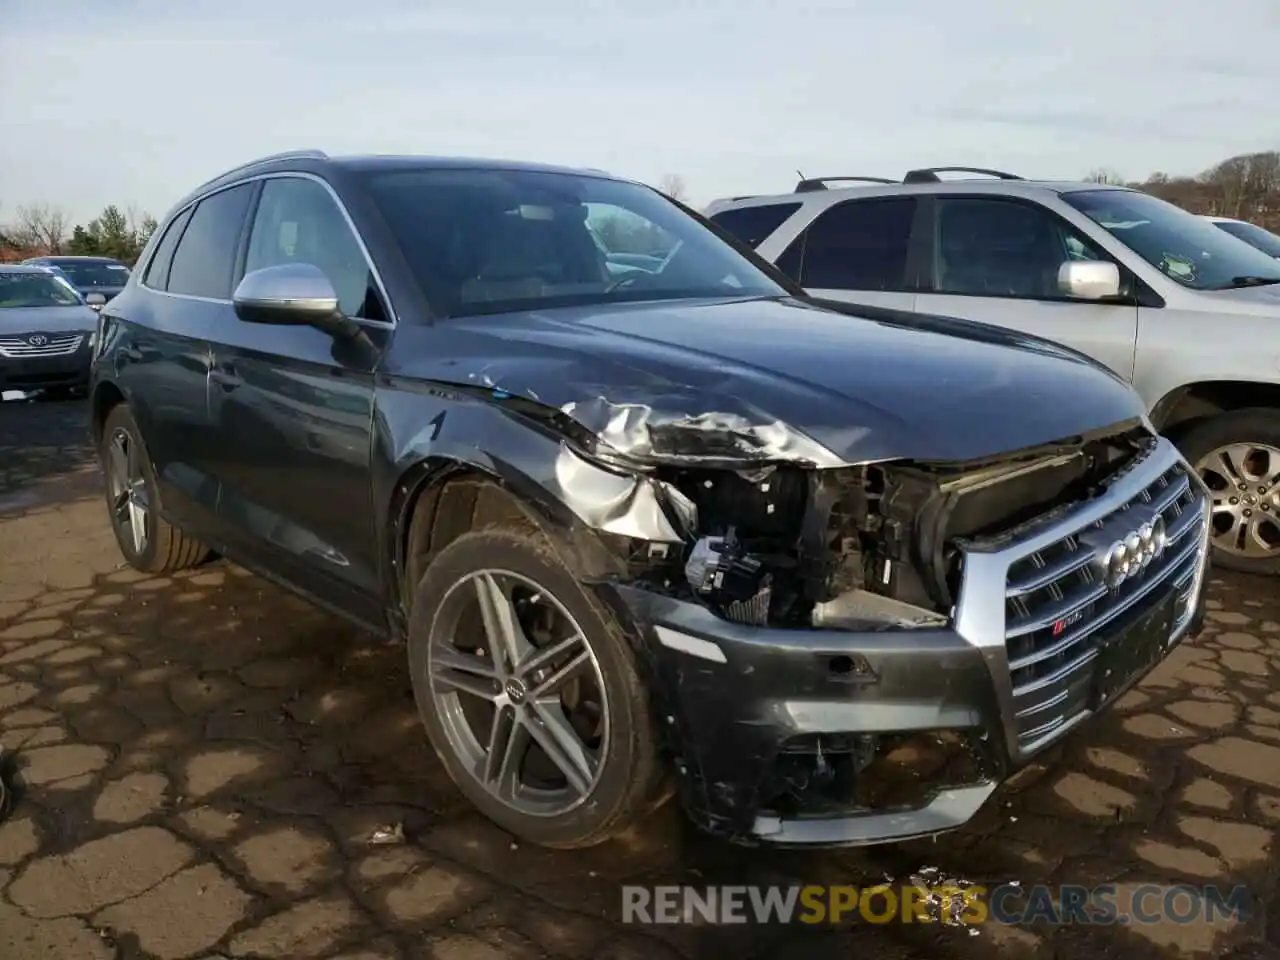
38 340
1127 544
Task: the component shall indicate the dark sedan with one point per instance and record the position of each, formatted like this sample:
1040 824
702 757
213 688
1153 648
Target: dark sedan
832 573
98 279
46 332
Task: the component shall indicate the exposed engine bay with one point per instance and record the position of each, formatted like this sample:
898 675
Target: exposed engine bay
877 545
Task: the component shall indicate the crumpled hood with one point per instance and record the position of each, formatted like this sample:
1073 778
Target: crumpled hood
782 380
16 320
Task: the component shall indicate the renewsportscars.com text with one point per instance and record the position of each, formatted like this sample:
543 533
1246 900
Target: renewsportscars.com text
970 905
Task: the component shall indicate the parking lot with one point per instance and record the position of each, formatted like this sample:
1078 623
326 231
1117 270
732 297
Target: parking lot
208 767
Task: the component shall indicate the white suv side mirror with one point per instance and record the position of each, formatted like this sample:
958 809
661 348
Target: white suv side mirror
1089 279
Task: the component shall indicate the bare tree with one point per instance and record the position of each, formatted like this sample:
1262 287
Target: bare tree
1105 175
40 226
1244 183
1245 186
674 187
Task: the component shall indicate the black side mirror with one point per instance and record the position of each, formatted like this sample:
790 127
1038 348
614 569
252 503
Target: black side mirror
292 294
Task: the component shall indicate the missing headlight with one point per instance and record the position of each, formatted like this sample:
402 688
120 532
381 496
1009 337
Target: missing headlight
724 575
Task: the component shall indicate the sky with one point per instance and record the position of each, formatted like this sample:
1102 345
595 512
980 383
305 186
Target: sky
135 102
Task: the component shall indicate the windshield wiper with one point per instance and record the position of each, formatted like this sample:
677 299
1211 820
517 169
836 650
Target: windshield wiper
1237 282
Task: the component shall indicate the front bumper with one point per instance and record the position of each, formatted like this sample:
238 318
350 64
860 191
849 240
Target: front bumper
829 737
43 372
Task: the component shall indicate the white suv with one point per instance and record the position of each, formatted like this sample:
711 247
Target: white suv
1187 312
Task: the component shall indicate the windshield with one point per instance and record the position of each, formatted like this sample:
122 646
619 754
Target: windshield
94 274
1255 236
1181 245
23 289
496 241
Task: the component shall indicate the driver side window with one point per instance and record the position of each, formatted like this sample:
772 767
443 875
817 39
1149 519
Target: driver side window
298 222
1002 248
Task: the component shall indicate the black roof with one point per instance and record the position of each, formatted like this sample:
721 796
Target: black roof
410 162
315 161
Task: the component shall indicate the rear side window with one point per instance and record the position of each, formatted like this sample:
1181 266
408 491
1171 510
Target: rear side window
792 258
157 276
754 225
859 245
205 258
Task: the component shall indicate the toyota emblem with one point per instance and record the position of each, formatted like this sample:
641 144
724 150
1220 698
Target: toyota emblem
37 339
1127 544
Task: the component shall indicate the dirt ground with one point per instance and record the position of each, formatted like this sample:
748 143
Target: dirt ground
205 763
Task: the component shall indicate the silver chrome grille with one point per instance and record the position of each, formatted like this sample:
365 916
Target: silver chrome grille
1037 601
41 345
1057 606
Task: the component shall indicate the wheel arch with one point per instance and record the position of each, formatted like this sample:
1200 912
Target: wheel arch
106 397
438 498
1190 404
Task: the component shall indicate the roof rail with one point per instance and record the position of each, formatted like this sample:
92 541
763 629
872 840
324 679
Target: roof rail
930 174
809 184
307 154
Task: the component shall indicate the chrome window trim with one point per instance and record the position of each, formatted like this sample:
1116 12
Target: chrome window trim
277 175
980 610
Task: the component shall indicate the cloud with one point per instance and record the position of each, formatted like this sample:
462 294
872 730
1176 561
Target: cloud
138 100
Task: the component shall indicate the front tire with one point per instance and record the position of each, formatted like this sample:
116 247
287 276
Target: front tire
147 541
529 692
1237 454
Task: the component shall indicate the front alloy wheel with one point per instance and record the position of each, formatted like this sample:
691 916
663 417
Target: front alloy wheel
1237 455
518 692
1244 481
529 691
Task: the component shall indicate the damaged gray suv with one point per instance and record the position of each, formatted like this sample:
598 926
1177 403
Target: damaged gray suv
644 514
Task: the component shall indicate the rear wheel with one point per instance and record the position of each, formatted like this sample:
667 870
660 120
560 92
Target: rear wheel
1237 455
148 542
529 693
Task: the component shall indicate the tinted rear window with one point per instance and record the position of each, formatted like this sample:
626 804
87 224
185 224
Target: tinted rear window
859 245
157 275
754 225
93 273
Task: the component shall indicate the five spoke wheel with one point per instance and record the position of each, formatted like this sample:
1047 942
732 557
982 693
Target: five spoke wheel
519 692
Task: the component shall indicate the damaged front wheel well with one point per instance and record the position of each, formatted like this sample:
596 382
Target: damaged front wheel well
456 502
456 499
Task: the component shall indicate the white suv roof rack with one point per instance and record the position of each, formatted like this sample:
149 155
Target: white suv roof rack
920 175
